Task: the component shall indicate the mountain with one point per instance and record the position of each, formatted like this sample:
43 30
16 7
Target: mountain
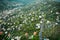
10 4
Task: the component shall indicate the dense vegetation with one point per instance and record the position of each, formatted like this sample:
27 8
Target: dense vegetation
28 19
